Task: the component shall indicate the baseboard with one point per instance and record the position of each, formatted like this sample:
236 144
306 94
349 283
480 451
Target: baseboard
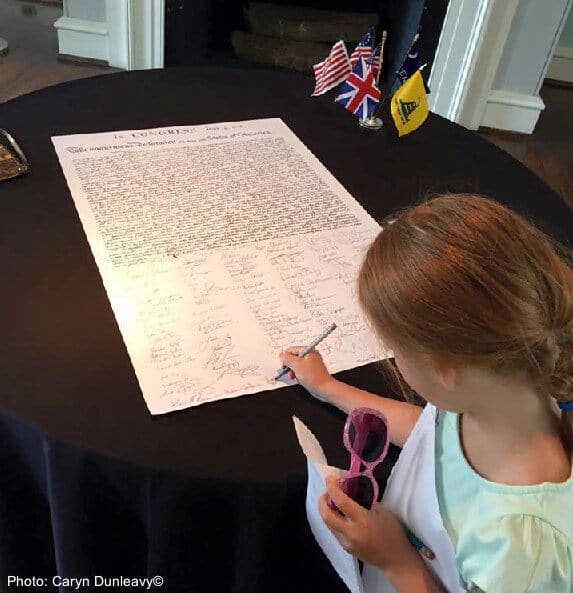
515 112
81 38
561 67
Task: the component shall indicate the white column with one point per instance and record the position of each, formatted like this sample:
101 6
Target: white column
491 60
469 50
136 33
514 102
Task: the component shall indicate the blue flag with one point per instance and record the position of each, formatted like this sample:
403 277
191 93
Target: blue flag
411 63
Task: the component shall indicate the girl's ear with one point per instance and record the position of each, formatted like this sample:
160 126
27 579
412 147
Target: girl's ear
446 373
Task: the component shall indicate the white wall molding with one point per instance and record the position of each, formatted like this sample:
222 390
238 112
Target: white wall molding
469 50
516 112
82 38
561 67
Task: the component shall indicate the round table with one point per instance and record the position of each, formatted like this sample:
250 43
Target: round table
211 498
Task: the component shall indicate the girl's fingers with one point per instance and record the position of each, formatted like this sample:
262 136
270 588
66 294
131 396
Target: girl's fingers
332 519
294 349
351 509
287 356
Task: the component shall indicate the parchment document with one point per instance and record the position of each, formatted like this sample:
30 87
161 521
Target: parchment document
220 245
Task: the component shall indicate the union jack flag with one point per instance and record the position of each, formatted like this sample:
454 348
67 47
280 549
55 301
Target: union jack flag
333 70
363 49
359 93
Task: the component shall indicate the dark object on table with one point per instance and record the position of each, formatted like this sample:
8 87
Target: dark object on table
12 160
402 21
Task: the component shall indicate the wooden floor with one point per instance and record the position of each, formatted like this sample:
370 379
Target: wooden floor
32 59
548 152
31 64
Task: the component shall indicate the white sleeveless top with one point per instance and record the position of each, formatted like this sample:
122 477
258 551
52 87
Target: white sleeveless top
411 495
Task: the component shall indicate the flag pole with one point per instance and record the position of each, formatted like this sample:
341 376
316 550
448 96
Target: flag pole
382 44
386 100
373 122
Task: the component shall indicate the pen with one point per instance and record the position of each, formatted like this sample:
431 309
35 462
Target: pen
419 545
304 352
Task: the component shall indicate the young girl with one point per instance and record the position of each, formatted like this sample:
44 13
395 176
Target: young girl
477 307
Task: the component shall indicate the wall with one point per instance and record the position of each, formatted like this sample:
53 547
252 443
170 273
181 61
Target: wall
90 10
561 67
566 39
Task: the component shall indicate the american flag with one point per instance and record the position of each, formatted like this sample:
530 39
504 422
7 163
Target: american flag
333 70
375 61
363 49
359 92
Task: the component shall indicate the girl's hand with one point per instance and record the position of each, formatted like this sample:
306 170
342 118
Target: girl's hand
376 536
310 371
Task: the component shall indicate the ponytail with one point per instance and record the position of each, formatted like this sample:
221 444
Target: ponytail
562 386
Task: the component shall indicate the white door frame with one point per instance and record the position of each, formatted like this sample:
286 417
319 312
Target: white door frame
136 33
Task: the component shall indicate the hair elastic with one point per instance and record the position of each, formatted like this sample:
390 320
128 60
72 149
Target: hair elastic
565 405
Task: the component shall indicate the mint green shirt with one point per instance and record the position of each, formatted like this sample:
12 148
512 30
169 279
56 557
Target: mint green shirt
507 539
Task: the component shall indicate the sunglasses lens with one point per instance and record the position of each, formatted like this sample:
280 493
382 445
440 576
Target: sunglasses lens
368 435
360 489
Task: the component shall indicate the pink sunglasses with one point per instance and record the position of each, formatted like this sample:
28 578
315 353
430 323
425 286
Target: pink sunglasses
366 438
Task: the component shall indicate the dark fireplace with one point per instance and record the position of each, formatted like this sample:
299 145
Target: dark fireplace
215 31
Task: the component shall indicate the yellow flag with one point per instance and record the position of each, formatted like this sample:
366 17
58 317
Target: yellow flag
410 105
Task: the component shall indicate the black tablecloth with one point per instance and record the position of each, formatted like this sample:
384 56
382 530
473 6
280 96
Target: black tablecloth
210 498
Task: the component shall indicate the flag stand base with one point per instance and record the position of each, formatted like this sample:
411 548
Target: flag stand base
371 123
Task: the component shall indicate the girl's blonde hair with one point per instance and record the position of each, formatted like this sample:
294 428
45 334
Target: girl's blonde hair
463 278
